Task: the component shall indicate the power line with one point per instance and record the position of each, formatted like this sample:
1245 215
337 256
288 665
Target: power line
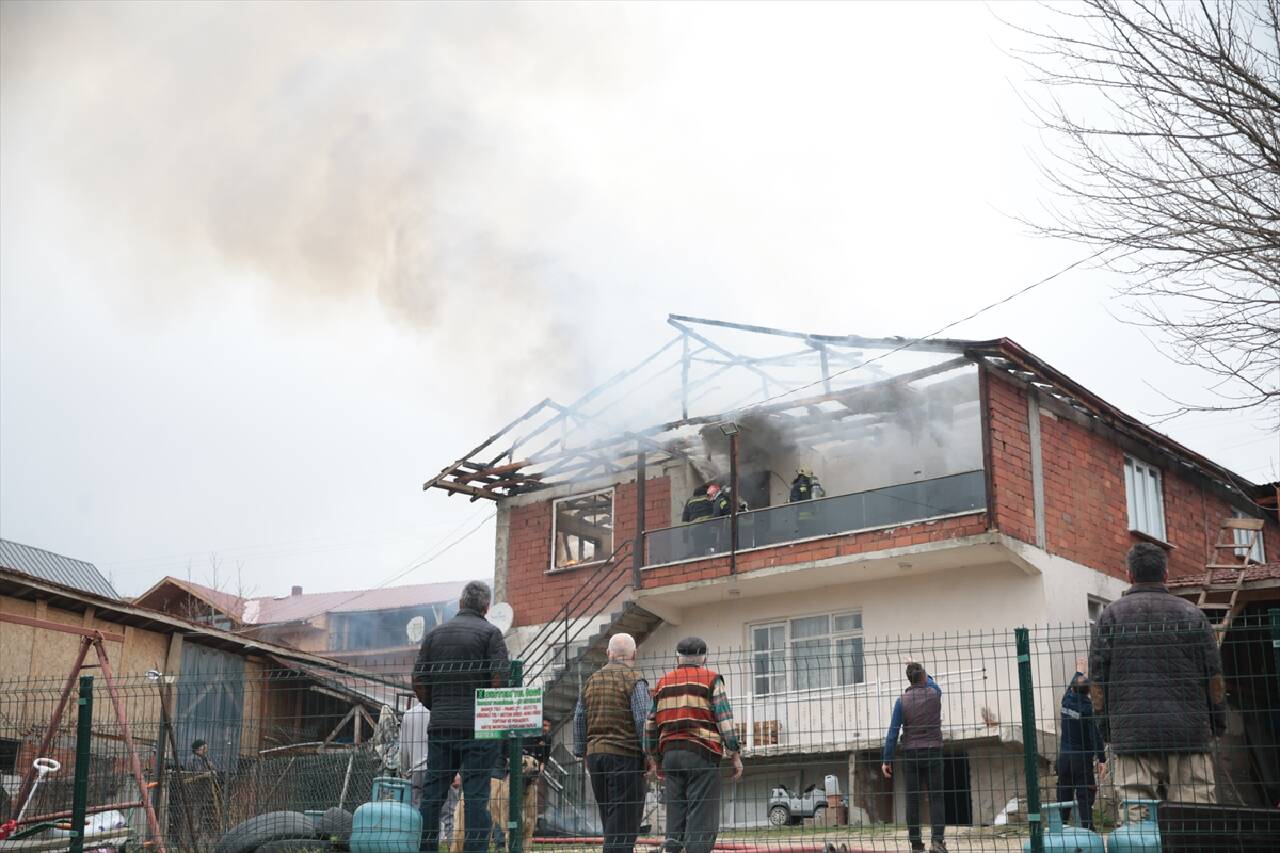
913 341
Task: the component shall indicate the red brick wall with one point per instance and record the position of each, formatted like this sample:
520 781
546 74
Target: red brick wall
536 595
1085 512
820 549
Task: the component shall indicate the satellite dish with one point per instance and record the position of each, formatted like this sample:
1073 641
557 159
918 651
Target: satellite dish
501 615
416 627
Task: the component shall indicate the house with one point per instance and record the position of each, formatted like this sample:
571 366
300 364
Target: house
970 488
377 629
245 696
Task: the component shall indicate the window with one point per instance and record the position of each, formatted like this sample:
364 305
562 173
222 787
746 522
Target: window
1243 538
1144 494
583 531
819 651
1096 606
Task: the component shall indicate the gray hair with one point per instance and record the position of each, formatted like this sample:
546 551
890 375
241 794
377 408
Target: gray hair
476 596
622 646
691 660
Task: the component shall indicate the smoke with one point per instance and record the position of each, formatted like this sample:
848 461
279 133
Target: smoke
400 154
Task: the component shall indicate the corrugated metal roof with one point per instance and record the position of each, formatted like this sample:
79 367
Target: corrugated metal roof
46 565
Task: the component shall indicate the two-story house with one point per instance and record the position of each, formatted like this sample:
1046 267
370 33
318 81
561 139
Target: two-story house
969 488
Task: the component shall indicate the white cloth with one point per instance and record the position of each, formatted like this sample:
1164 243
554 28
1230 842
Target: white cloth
413 739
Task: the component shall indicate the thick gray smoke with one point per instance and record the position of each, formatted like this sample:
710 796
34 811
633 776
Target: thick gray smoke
396 152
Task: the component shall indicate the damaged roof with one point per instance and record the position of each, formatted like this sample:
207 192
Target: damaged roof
712 372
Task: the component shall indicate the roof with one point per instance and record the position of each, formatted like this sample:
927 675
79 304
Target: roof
698 381
1263 572
46 565
61 596
272 610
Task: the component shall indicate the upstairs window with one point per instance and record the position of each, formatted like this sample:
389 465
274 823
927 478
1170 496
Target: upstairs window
1144 495
583 530
1244 538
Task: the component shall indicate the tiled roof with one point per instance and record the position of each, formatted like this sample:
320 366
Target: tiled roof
1265 572
55 568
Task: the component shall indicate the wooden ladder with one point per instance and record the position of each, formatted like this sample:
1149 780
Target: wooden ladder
1221 612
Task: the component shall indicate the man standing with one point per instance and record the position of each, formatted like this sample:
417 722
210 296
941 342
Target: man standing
1080 743
608 728
457 658
1157 685
690 728
413 747
918 715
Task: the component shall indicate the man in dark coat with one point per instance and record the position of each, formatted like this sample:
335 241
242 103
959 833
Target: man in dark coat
1080 743
1157 686
456 658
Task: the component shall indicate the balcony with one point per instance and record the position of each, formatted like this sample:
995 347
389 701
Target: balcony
889 506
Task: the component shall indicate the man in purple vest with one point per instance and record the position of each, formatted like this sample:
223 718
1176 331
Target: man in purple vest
918 716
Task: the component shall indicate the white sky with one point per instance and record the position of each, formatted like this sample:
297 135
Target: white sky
265 269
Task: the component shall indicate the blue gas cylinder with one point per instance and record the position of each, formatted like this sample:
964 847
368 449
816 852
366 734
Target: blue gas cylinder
388 823
1065 838
1142 836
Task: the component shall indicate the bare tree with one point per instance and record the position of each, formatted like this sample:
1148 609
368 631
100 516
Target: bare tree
1167 123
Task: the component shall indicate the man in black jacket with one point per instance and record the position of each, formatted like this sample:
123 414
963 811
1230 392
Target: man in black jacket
456 658
1157 687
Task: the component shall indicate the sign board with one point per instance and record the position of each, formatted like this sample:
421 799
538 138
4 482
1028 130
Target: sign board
508 712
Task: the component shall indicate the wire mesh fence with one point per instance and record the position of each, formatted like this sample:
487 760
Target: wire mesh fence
1005 736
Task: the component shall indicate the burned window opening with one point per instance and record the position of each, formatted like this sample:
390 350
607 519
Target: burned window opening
582 532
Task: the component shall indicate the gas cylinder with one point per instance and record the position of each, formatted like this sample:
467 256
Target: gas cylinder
388 823
1142 836
1060 838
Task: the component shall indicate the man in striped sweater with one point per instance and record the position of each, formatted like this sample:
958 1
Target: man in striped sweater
688 732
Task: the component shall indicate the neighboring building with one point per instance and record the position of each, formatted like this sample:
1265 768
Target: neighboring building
372 629
970 487
240 694
46 565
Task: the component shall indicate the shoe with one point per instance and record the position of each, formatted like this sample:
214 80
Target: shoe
938 846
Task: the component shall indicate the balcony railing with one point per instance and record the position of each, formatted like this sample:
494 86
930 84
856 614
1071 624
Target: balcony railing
884 507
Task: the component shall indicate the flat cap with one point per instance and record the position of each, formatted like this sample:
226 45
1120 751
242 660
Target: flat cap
691 646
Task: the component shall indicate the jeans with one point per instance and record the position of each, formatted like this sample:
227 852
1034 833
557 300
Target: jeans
617 781
693 801
449 752
1076 784
924 765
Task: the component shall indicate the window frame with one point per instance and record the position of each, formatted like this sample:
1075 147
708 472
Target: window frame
1259 552
792 669
1136 472
1102 605
611 491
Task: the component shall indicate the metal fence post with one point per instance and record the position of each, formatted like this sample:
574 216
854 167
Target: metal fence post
515 775
1273 616
84 738
1030 750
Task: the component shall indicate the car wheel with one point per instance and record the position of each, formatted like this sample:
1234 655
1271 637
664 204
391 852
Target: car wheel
779 815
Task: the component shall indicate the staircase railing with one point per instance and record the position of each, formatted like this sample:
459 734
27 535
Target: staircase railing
588 601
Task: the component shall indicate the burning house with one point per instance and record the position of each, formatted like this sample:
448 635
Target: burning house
968 487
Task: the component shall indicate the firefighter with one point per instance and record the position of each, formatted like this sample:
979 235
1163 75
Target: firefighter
705 504
699 505
806 486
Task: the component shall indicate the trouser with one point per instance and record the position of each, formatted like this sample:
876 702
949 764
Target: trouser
450 752
617 781
1076 784
1184 777
924 766
693 801
417 780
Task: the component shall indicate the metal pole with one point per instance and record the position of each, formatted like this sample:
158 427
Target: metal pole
637 550
1274 617
84 742
515 814
733 507
1022 640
